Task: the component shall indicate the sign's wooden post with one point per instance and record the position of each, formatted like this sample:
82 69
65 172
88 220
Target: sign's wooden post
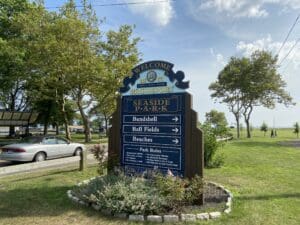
154 125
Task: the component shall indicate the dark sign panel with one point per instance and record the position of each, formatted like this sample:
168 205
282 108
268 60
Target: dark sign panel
154 126
153 132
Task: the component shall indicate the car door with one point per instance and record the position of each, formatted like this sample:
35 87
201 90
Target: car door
65 147
50 146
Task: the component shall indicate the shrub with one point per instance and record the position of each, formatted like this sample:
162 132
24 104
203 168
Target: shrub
210 147
172 189
194 190
137 195
100 153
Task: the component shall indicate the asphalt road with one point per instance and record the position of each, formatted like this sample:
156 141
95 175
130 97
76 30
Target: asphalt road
6 163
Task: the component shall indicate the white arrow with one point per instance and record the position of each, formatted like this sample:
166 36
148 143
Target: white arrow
175 119
175 141
175 130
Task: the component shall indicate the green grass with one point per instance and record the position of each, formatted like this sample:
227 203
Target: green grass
263 175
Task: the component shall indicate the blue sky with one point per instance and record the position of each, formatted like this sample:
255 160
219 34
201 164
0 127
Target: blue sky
199 36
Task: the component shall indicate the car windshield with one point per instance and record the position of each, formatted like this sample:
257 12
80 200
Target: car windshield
31 140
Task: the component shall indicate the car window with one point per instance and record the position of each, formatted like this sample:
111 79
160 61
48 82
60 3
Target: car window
49 141
61 141
32 140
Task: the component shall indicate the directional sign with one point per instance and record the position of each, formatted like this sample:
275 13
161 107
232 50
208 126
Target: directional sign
150 129
153 140
156 119
153 132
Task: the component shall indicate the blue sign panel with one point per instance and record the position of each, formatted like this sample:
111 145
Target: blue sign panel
153 132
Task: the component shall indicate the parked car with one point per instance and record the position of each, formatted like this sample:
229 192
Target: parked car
40 148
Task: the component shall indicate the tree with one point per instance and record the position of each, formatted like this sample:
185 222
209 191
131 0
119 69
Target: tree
62 58
296 129
227 88
12 57
264 128
120 54
218 121
251 82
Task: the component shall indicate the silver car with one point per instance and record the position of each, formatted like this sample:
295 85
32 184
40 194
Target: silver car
40 148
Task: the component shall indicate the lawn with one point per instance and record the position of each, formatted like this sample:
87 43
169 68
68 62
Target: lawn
263 176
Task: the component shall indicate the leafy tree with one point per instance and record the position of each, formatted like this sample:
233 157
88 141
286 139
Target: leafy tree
89 63
120 54
264 128
218 121
12 57
250 82
227 88
62 57
296 129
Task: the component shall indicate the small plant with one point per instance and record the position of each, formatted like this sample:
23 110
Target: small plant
194 190
100 153
296 129
264 128
210 147
172 189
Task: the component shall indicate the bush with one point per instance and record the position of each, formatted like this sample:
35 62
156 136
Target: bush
100 153
137 195
210 147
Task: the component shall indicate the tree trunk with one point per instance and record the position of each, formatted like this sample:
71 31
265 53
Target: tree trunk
46 127
56 129
12 109
237 119
66 122
248 128
12 131
247 113
106 124
86 122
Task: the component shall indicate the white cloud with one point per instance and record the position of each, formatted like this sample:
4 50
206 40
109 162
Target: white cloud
159 13
268 44
237 8
219 57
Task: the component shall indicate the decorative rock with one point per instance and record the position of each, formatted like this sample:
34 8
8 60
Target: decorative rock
96 207
85 181
227 211
228 203
136 218
154 218
203 216
82 203
188 217
121 215
214 215
106 212
171 218
75 199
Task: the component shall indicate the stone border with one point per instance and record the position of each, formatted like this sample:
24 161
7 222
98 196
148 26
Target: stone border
158 218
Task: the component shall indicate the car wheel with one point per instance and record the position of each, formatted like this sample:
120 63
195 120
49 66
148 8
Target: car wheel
39 157
77 152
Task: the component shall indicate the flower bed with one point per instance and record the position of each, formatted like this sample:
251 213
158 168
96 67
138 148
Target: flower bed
168 199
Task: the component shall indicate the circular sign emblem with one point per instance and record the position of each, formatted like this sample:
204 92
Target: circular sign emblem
151 76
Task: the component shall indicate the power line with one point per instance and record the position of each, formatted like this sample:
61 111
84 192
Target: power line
289 51
290 61
117 4
290 31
